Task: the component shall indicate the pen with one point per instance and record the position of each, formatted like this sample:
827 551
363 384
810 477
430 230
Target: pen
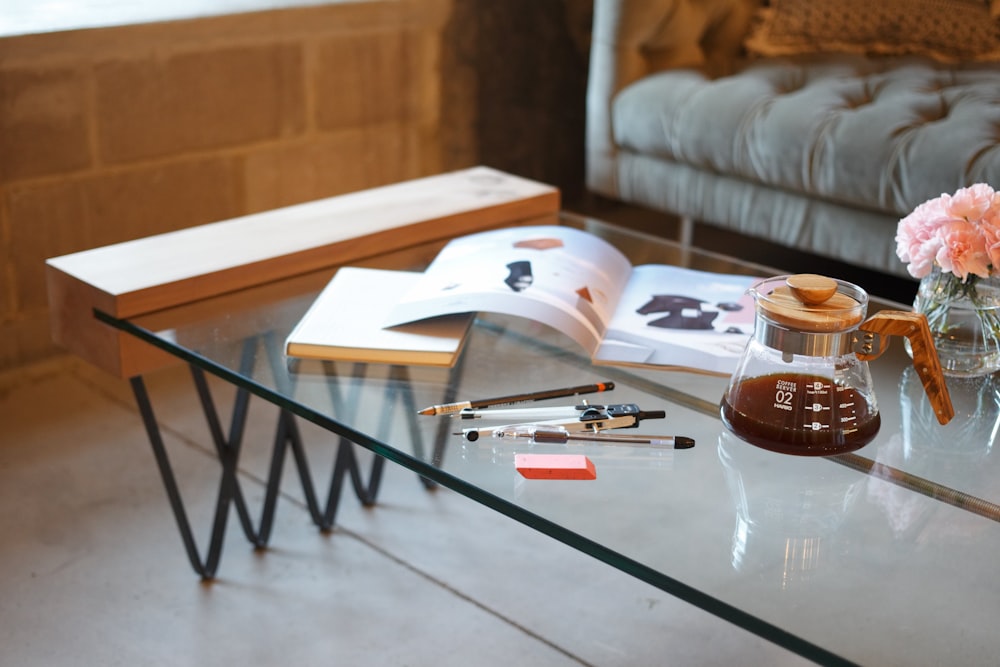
450 408
524 414
584 412
562 436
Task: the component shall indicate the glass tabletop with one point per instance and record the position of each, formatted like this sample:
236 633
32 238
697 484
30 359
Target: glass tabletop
882 556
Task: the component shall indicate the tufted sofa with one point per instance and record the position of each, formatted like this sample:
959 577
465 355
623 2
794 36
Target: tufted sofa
819 151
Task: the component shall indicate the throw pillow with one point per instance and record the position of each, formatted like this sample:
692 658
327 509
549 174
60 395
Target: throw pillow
948 30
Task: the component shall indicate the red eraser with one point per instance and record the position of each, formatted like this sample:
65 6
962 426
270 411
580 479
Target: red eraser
555 466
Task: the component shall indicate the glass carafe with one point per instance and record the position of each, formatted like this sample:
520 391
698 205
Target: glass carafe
803 385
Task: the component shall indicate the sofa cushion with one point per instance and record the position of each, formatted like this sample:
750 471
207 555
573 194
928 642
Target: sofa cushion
950 30
883 134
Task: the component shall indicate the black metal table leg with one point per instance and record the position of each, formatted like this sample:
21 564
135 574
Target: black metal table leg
345 461
227 449
232 444
287 436
443 431
205 567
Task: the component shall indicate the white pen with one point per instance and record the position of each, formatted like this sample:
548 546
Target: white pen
566 423
550 412
584 412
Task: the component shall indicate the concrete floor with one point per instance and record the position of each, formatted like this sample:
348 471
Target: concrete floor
93 570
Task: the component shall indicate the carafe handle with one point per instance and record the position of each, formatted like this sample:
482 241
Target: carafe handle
925 359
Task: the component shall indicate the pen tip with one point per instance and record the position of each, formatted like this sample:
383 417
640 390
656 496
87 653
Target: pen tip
426 411
683 442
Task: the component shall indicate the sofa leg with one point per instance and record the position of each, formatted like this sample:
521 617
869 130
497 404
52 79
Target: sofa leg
685 237
686 233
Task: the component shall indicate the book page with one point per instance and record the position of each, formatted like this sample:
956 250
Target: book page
673 316
559 276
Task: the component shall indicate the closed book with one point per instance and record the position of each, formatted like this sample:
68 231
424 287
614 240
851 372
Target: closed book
346 322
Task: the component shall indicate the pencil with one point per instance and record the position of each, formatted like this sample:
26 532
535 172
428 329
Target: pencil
451 408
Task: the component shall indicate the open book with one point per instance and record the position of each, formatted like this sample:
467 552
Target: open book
583 286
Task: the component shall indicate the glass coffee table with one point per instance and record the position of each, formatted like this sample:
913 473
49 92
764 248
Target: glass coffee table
881 556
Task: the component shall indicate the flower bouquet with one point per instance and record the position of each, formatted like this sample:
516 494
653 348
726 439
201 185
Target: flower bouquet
952 243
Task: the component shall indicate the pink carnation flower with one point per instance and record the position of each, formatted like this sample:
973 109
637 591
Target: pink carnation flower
970 203
962 250
916 240
959 233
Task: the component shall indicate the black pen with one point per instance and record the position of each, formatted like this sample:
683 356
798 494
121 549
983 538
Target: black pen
451 408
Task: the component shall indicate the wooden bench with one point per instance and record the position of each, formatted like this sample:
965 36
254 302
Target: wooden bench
141 277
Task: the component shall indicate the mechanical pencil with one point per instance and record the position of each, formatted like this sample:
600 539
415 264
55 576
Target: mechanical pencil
561 436
451 408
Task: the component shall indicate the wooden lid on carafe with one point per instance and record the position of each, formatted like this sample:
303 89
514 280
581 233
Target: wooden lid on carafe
809 302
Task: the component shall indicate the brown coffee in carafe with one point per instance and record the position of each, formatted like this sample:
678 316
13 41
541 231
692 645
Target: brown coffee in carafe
800 414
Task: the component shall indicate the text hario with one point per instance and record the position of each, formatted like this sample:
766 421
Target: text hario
784 392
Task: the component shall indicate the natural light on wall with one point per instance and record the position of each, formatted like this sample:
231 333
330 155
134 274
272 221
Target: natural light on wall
25 17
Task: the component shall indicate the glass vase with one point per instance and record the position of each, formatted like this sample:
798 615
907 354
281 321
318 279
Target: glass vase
964 319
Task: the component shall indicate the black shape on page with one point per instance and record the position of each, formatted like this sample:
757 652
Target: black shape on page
684 312
520 277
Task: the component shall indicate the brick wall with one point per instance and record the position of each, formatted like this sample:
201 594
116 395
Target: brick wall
113 134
